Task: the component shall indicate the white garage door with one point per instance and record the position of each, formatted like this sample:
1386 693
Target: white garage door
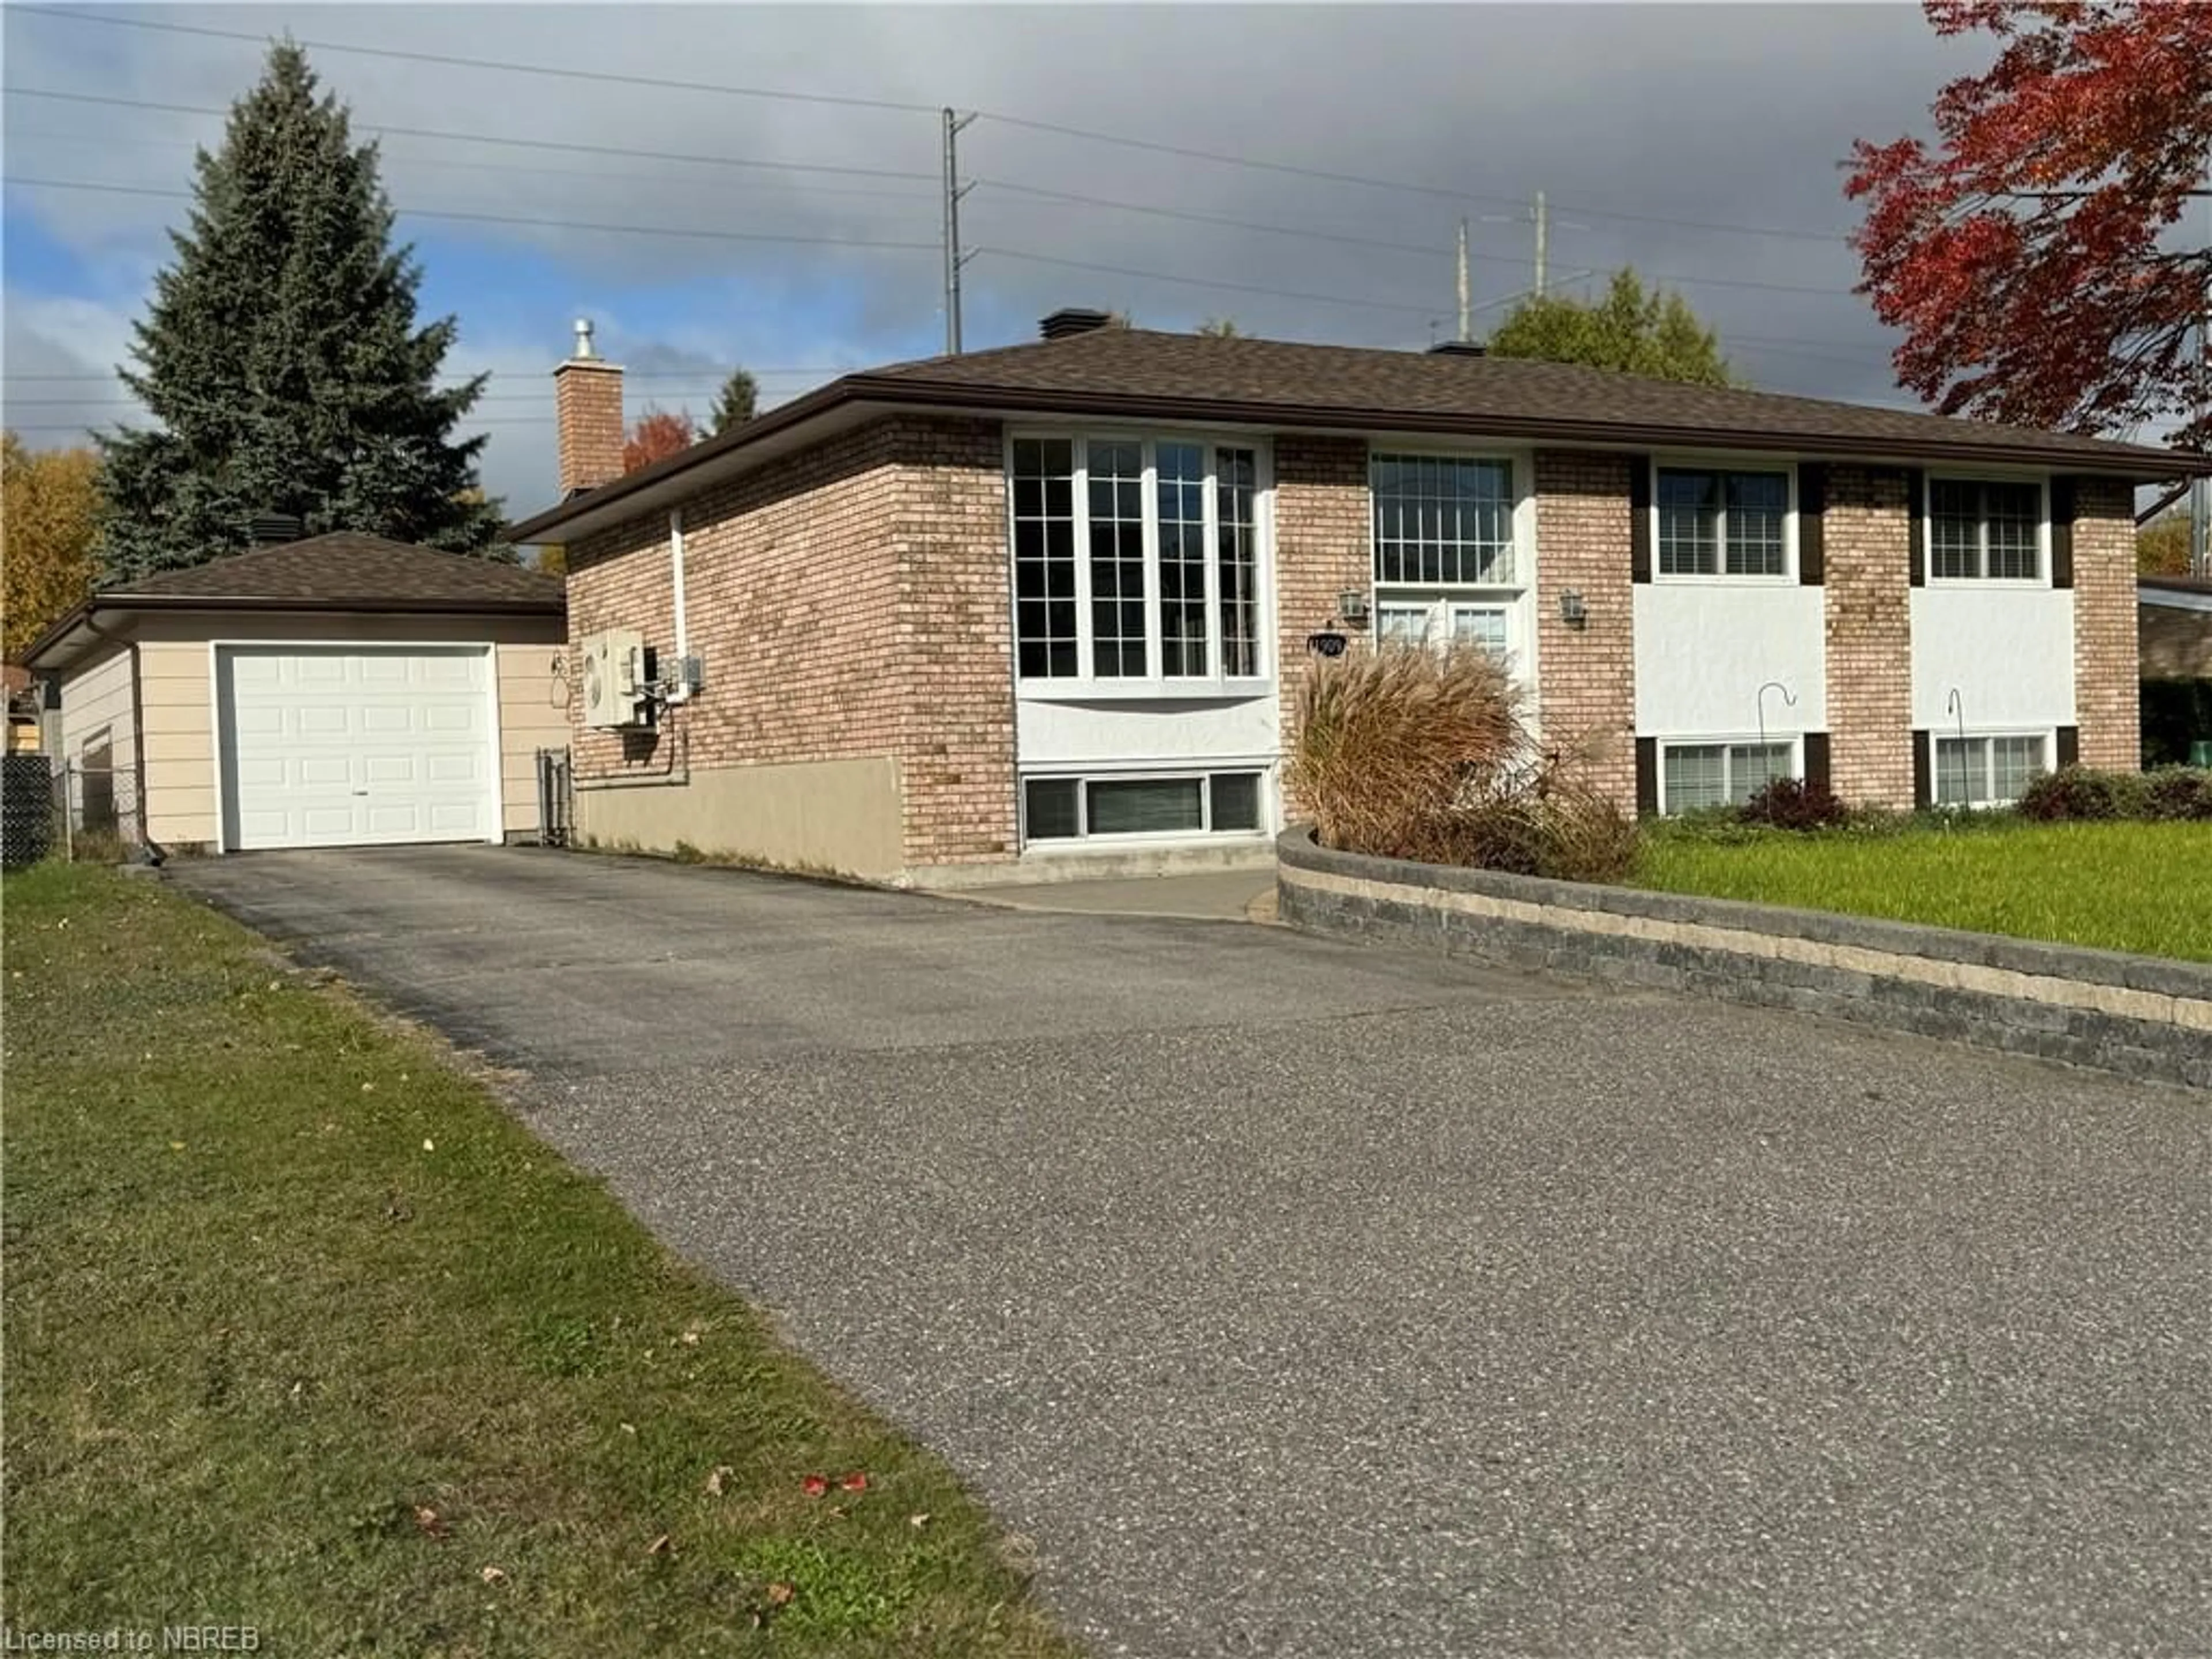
343 746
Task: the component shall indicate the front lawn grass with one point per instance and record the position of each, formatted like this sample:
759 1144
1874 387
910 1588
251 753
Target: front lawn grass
304 1333
2117 886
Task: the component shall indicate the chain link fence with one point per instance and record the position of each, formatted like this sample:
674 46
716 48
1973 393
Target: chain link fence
99 816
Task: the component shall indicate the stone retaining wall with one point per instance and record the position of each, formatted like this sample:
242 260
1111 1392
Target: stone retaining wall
2141 1016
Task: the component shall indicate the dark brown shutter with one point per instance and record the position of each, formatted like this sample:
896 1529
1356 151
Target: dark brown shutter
1811 522
1639 514
2069 745
1817 773
1647 777
1923 778
2062 532
1915 506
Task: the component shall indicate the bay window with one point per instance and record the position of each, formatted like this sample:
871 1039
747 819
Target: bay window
1136 559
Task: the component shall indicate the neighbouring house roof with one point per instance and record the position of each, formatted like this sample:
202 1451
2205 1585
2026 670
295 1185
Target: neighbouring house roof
1280 385
341 572
2174 592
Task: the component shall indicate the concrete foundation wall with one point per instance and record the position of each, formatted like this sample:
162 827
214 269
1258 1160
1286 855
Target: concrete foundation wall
841 815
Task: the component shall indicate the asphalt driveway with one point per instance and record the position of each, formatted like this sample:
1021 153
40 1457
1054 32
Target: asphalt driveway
1296 1299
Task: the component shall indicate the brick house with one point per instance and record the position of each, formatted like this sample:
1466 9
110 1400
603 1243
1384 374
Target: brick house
1045 609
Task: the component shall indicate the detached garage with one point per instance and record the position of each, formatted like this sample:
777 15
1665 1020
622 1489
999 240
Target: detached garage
338 691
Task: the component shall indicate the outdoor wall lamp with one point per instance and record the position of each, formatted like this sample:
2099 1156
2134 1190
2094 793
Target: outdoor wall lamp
1572 612
1352 605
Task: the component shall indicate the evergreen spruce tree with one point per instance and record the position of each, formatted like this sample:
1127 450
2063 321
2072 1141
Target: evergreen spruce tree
735 403
280 356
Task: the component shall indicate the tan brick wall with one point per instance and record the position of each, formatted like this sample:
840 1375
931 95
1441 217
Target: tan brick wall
2173 644
1867 607
1586 676
2107 687
587 417
849 601
1323 542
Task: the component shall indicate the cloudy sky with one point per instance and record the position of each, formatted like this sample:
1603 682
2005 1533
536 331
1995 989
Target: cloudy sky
705 224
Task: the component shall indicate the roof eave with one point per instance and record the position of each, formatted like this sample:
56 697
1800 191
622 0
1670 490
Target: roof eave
2136 462
82 620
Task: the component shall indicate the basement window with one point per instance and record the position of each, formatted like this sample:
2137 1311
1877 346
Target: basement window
1986 771
1695 777
1148 803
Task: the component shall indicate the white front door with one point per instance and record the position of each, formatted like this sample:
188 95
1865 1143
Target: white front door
355 746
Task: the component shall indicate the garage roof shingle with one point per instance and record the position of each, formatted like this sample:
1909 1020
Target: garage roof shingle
346 570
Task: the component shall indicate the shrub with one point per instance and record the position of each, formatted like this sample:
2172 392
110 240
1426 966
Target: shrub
1794 804
2177 791
1411 753
2077 792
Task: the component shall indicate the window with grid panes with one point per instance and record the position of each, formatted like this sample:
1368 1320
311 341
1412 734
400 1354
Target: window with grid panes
1696 776
1984 771
1985 529
1442 521
1169 535
1717 522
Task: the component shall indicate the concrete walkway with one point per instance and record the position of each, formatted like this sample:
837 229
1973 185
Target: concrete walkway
1212 895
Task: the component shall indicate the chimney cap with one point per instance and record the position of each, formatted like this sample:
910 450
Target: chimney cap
1459 349
1070 320
584 351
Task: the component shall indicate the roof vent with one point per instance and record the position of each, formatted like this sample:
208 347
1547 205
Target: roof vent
273 529
1070 320
1459 349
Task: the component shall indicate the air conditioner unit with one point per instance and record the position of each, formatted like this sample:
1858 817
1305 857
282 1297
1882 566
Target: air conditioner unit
613 683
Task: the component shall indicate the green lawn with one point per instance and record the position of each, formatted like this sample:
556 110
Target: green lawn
304 1333
2141 887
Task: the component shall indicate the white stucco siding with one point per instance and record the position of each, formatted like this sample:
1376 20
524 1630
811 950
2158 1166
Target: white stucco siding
2009 653
1103 733
1703 651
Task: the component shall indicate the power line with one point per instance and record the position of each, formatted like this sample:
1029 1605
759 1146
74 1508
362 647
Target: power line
494 138
686 232
610 77
1087 135
813 191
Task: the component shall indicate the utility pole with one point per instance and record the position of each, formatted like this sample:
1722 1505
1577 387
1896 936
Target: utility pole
1466 299
2200 489
954 259
1543 242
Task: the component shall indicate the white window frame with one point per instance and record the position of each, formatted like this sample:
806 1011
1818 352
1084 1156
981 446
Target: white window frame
1442 599
1987 739
1987 583
1083 777
1794 741
1731 461
1154 683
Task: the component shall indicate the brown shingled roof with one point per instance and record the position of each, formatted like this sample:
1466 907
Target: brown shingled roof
1502 394
1280 385
347 571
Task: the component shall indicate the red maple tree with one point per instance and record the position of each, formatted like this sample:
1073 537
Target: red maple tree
2037 259
657 435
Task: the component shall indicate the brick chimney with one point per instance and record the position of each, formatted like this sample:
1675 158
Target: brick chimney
588 414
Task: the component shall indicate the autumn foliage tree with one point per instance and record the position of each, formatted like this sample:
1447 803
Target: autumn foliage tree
49 523
656 435
2037 256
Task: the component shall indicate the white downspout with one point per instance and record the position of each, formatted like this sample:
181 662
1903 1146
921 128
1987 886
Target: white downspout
676 583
